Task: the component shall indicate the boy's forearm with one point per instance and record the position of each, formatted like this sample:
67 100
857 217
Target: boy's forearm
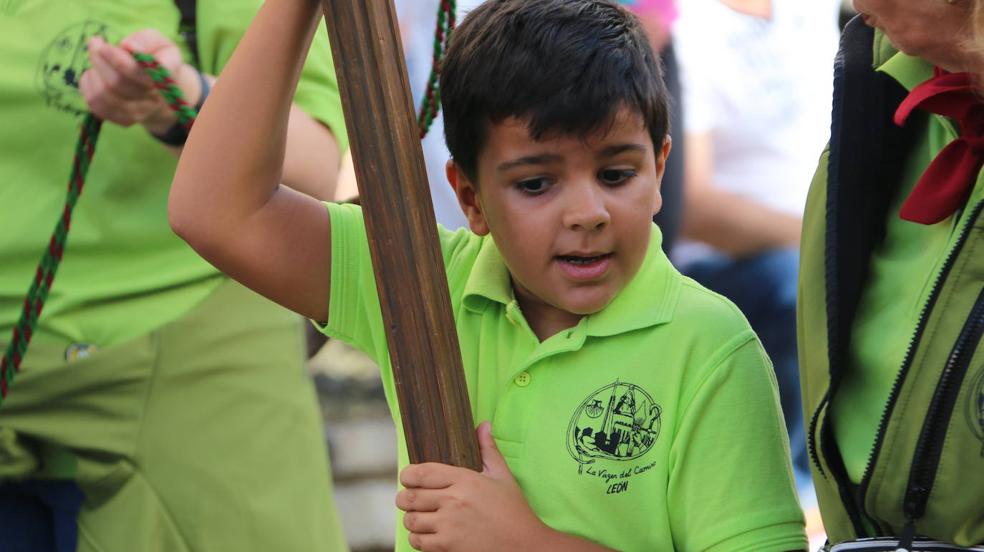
312 159
232 170
226 200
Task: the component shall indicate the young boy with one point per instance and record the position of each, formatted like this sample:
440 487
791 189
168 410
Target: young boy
632 409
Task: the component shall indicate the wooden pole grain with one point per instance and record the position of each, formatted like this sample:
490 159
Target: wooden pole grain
402 230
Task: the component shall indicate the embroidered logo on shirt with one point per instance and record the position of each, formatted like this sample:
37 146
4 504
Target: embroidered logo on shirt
62 64
620 421
975 408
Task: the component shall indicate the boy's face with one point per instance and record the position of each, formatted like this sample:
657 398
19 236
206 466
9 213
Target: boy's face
571 216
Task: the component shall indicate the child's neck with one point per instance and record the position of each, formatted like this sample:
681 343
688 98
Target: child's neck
546 320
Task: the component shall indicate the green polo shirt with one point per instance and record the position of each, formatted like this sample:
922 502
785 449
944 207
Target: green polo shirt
124 273
891 305
651 425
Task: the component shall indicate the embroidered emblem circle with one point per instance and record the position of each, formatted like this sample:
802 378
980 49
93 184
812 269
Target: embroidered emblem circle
62 64
620 421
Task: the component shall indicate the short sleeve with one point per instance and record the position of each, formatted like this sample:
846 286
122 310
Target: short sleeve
354 314
731 485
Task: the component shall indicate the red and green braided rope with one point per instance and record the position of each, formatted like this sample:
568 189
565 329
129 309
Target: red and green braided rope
168 88
45 275
431 104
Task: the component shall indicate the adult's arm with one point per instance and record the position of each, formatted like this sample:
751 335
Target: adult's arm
226 200
729 222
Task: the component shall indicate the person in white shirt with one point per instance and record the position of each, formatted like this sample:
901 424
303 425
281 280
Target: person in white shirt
757 81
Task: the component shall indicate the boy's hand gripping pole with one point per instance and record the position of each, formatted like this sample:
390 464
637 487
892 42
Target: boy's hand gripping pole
406 256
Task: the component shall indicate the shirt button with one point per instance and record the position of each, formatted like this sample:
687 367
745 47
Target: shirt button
523 379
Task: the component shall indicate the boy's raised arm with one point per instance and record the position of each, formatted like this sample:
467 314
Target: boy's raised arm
226 200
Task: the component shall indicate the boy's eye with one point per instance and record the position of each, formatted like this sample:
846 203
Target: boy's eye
533 186
612 177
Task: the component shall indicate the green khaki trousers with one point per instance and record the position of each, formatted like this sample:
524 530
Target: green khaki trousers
203 435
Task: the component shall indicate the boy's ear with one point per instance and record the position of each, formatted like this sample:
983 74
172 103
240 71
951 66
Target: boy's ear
468 198
661 155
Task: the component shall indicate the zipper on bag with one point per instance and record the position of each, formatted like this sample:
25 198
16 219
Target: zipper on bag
929 447
951 258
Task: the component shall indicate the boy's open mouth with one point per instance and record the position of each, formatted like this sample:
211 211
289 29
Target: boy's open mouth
579 260
585 267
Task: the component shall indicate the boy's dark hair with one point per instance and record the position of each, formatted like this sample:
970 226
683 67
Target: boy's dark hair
566 66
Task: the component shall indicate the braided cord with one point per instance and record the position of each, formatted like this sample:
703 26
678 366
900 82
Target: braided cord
44 277
168 88
431 104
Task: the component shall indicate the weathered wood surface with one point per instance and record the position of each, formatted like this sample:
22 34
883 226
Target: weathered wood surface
402 231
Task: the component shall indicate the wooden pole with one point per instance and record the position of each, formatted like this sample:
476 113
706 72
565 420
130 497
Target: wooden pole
406 256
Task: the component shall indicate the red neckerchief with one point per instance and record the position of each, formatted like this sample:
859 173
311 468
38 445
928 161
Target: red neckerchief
947 182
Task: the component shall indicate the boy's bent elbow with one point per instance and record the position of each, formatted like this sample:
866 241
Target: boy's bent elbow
185 222
191 229
177 215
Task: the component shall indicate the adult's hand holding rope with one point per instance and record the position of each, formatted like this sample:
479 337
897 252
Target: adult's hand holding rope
119 89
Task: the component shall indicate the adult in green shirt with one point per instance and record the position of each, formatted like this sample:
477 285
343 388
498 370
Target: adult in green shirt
174 400
891 308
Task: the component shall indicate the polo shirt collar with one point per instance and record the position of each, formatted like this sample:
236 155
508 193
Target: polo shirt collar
648 299
488 280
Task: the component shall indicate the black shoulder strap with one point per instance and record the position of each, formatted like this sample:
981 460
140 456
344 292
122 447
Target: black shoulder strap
864 170
867 152
188 28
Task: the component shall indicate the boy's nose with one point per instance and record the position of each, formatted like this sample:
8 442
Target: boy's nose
586 211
